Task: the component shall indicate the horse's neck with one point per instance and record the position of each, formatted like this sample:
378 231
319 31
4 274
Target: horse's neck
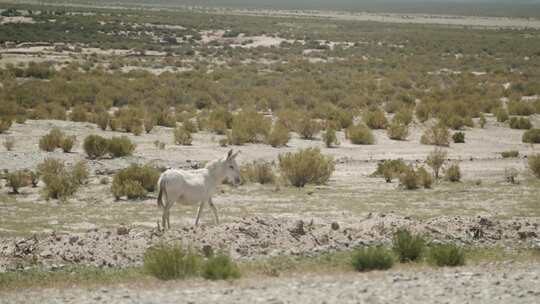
216 173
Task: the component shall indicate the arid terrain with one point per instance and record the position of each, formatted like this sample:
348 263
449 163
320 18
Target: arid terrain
214 75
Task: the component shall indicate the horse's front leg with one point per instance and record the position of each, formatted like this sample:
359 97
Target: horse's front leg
214 210
199 211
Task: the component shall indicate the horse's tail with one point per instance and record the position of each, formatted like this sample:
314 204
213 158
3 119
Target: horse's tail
161 187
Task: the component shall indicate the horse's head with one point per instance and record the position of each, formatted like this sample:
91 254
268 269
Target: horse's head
232 171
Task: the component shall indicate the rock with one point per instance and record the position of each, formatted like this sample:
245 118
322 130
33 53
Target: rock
334 226
207 250
298 228
122 230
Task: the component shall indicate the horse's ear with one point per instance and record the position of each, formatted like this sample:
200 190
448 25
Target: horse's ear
229 155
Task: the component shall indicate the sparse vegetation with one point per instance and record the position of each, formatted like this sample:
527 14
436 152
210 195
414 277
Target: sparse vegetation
67 143
61 182
120 146
412 178
372 258
407 246
279 136
458 137
182 136
510 154
95 146
17 180
453 173
134 181
437 135
258 172
397 131
360 135
436 159
446 255
306 166
520 123
375 119
171 262
220 267
390 169
534 164
531 136
52 140
330 138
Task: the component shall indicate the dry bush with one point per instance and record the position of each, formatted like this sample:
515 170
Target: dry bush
397 131
329 137
426 180
510 175
60 183
149 123
279 136
289 118
17 180
67 143
171 262
360 135
307 166
102 120
189 126
446 255
482 121
159 144
520 123
308 128
79 114
457 122
521 108
9 143
531 136
453 173
501 115
404 116
134 181
437 135
258 172
34 177
411 179
220 120
407 246
436 159
120 146
95 146
52 140
375 119
372 258
390 169
182 136
5 124
249 127
534 164
220 267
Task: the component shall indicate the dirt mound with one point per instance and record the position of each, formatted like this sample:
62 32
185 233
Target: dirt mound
257 237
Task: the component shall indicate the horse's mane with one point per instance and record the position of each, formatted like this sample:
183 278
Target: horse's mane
213 164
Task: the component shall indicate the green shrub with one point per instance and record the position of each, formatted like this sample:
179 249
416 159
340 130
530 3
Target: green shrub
372 258
95 146
534 164
360 135
5 124
531 136
457 122
459 137
397 131
134 181
307 127
182 136
436 159
52 140
437 135
446 255
409 179
453 173
390 169
521 108
279 136
408 247
16 180
60 183
171 262
120 146
426 180
501 114
258 172
102 120
404 116
375 119
307 166
330 138
520 123
249 127
482 121
510 154
67 143
220 267
80 172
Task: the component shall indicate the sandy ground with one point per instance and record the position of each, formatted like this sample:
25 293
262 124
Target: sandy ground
491 283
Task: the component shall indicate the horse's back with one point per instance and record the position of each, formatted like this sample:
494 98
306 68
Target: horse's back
190 186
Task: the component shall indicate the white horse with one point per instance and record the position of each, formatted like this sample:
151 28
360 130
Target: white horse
193 186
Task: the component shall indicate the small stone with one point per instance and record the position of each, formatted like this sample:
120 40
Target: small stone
73 240
334 226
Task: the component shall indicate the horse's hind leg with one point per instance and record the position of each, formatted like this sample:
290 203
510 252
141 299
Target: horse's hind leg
199 211
214 210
